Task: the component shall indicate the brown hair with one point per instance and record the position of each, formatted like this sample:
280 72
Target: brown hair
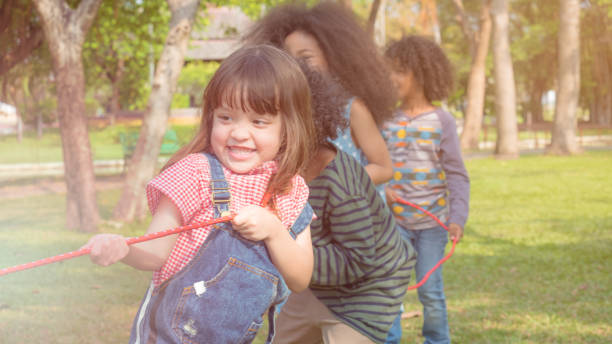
425 59
351 55
263 79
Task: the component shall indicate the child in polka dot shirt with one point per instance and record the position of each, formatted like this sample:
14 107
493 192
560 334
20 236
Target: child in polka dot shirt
428 168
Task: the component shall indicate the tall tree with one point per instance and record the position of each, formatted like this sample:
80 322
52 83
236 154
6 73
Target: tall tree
566 100
144 160
374 9
479 48
118 48
65 30
505 92
534 33
596 61
20 33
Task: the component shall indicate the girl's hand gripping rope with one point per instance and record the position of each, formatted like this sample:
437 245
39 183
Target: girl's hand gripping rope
86 250
106 249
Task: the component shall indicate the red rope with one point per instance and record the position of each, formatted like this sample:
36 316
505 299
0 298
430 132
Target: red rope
160 234
266 198
129 241
452 250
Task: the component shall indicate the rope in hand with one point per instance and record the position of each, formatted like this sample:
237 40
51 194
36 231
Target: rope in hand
450 253
129 241
160 234
264 202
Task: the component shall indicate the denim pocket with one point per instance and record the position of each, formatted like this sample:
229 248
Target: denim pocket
227 308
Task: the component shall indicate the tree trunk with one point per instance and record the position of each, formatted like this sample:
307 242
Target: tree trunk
115 78
603 77
19 126
505 93
65 30
144 160
380 32
566 101
372 17
28 38
477 81
535 101
427 20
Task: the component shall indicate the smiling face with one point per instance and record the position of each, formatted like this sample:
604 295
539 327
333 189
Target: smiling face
302 45
243 139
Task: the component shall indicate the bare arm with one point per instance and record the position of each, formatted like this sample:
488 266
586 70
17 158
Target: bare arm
292 258
107 249
367 137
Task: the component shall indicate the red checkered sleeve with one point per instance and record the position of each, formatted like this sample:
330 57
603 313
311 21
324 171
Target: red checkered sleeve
187 184
184 183
289 206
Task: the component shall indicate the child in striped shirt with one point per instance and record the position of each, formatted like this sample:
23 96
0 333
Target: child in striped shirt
362 266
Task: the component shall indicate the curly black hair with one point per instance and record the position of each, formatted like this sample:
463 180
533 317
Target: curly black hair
351 54
327 102
427 62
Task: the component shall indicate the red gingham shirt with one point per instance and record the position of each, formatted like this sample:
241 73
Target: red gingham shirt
187 184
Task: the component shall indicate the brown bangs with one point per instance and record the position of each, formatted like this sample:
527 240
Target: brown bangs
249 85
266 80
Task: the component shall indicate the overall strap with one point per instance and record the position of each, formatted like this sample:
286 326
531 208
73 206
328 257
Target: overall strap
219 187
302 221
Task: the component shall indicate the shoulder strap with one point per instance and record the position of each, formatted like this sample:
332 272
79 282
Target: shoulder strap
347 110
219 187
302 221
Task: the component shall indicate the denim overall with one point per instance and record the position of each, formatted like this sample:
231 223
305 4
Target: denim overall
221 295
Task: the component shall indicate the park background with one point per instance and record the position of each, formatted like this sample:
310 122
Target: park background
81 132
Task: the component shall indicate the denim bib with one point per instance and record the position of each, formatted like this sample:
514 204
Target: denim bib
222 294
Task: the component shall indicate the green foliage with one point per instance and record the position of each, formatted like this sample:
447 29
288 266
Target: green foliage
122 47
253 9
192 81
30 88
596 51
179 101
105 144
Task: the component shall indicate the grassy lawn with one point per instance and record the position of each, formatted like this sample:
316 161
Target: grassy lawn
533 266
104 142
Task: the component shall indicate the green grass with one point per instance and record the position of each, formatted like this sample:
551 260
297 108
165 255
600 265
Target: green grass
533 266
104 142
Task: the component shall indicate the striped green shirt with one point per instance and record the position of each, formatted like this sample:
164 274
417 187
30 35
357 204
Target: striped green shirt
362 265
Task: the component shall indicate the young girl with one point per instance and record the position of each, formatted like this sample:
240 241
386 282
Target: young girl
213 284
429 170
329 38
361 265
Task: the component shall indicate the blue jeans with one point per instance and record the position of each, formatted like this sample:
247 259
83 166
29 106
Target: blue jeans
395 332
430 244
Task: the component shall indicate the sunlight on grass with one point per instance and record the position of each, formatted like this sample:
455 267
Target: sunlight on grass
104 144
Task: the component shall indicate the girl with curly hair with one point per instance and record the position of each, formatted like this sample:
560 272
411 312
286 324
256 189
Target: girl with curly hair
362 266
330 39
428 168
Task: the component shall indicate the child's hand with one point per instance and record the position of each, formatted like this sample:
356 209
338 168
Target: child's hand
455 231
256 223
391 196
107 249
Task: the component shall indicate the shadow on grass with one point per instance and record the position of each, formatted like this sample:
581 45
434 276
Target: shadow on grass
536 293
